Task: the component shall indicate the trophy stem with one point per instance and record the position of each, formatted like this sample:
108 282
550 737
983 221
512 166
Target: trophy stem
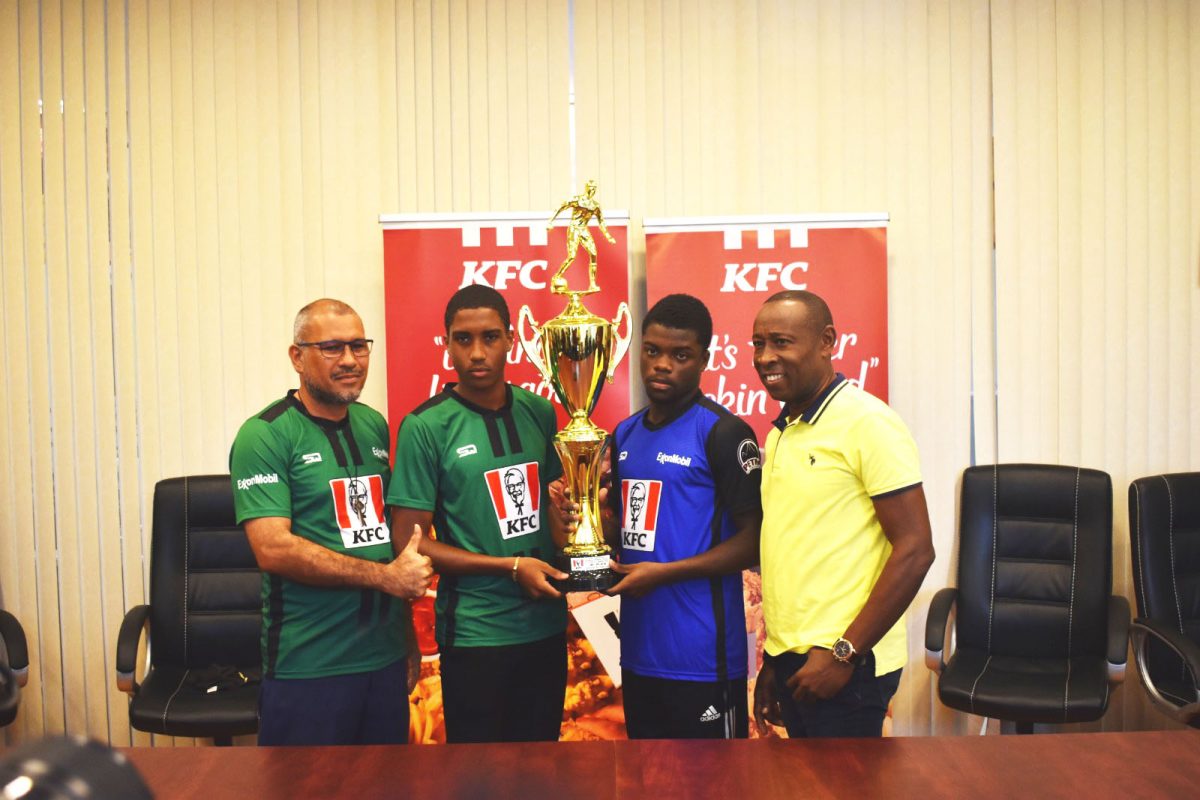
586 555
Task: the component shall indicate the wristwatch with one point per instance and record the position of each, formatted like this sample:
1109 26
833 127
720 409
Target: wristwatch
843 651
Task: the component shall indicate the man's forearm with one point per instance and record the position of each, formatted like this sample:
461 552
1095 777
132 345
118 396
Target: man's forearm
736 553
300 560
450 560
891 596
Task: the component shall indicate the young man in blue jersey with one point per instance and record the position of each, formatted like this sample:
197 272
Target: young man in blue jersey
684 494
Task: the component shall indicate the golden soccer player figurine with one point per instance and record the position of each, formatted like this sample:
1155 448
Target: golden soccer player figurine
583 208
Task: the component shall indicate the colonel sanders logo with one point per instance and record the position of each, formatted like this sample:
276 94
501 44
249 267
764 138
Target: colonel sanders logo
358 509
640 500
516 498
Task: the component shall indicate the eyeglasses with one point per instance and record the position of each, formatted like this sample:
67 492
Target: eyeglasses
333 348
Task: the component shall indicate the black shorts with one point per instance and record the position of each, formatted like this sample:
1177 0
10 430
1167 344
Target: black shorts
511 693
659 708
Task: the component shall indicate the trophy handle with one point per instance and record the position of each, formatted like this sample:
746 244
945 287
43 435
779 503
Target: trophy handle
530 345
622 342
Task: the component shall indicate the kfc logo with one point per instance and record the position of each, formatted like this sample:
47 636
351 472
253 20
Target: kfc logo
764 277
498 274
640 499
515 493
359 509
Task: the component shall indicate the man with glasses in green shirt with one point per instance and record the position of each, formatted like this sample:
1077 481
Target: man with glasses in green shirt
310 473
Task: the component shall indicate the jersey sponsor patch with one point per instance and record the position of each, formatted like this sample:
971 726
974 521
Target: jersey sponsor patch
359 509
311 458
640 499
674 458
515 493
749 456
257 480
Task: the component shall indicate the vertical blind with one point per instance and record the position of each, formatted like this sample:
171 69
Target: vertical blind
1097 131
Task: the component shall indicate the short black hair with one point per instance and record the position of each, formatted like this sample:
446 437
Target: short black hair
477 295
684 313
819 315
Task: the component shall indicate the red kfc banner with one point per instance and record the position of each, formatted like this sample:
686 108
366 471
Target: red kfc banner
427 257
734 264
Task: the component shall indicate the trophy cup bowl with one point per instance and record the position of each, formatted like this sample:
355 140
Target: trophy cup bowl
576 352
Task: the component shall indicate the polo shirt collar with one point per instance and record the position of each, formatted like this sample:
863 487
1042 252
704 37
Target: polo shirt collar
815 408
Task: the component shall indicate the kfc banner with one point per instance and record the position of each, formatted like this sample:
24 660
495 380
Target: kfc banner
426 257
734 264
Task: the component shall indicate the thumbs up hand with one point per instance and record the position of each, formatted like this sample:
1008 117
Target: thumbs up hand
409 574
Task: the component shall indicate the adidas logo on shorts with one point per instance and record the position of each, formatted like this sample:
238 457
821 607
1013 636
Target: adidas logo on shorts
711 715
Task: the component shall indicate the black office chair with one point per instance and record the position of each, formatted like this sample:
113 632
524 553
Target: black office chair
1164 536
14 666
1040 637
203 619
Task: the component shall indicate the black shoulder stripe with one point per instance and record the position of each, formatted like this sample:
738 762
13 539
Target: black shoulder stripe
276 411
432 402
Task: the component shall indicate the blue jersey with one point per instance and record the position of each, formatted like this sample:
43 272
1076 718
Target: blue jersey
676 487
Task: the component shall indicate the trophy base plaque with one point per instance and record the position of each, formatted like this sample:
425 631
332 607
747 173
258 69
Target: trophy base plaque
586 573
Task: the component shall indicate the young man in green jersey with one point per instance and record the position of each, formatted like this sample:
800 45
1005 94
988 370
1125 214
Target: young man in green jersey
474 461
310 474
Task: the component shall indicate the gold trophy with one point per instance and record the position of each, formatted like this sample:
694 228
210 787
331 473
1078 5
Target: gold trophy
576 352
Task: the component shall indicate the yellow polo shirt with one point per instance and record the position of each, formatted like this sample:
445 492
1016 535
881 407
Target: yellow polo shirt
822 545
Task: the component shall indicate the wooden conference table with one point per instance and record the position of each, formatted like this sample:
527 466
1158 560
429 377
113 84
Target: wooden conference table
1092 765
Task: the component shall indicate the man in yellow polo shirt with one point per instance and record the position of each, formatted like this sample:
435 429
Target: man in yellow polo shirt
845 535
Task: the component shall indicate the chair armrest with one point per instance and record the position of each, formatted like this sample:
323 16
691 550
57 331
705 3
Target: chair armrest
935 628
1118 638
1142 631
1184 647
136 620
14 642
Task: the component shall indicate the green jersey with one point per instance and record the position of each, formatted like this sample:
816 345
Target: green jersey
330 479
483 474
